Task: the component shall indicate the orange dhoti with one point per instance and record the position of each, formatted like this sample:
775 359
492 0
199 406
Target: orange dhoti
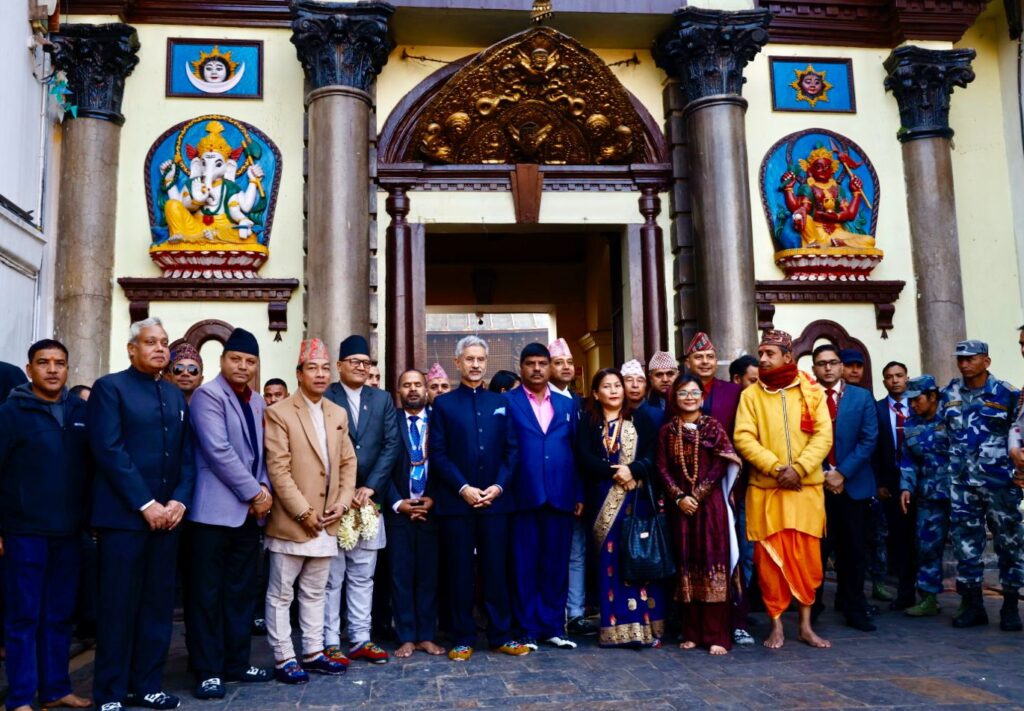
788 566
786 527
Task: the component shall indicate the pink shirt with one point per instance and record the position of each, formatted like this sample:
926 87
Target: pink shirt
542 409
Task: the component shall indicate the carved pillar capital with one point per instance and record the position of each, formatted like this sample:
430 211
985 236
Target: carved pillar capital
706 50
341 43
96 60
922 81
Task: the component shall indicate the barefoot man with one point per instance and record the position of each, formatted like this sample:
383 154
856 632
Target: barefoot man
783 429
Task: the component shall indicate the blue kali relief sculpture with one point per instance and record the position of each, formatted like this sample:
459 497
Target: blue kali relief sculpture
211 187
820 196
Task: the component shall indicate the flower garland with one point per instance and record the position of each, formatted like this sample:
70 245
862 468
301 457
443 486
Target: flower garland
357 524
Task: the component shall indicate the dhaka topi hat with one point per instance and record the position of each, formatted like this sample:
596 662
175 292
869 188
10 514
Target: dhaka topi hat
186 351
662 360
920 385
313 349
559 349
353 345
241 341
436 372
632 367
779 339
971 348
851 355
534 350
700 342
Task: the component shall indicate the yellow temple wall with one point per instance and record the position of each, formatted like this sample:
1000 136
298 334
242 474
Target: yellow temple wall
148 114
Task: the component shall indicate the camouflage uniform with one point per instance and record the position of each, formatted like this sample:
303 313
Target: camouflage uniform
978 424
924 472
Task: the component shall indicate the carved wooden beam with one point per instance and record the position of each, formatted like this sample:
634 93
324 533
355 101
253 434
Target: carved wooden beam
883 294
276 292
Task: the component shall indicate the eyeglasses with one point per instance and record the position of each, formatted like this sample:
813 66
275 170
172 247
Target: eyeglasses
689 394
828 363
358 363
180 369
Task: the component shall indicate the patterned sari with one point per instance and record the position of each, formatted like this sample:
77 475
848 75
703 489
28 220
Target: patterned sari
631 614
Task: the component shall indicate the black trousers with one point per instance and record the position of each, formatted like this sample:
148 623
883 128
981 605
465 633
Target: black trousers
902 545
135 617
845 538
221 594
413 555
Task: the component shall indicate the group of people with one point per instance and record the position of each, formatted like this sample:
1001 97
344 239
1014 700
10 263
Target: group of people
517 498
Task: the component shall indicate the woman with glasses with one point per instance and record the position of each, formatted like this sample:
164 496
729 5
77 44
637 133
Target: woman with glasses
615 449
697 465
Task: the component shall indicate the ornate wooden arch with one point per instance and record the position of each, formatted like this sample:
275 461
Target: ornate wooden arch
536 97
836 335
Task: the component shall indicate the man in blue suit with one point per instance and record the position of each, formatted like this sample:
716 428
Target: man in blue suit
548 492
849 481
473 452
232 493
140 436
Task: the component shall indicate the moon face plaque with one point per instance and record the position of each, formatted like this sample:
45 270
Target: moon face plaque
214 69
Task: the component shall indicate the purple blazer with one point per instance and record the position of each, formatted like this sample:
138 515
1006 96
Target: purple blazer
722 403
224 456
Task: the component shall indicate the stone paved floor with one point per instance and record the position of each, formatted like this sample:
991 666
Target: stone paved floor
911 663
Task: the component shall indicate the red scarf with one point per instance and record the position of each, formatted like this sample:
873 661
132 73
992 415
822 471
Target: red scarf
782 377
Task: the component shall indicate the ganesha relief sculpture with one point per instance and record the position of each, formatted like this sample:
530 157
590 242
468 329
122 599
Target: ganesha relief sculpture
820 195
211 185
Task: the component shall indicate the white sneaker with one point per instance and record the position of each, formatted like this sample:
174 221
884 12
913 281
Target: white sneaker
742 637
560 642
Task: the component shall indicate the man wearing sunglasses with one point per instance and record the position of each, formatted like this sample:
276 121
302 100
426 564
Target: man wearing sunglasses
186 369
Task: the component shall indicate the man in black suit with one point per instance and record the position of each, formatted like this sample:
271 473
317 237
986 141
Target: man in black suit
139 431
893 410
412 525
374 433
473 454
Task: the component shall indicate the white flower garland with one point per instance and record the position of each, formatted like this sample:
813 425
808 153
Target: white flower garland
358 523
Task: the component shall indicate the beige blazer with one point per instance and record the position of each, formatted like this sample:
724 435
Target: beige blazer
296 470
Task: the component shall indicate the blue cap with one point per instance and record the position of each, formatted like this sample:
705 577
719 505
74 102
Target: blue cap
353 345
971 348
851 355
920 385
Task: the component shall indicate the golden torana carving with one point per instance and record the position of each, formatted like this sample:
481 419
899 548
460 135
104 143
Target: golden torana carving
536 97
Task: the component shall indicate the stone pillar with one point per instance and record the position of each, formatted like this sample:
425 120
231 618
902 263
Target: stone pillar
922 81
96 60
342 47
706 51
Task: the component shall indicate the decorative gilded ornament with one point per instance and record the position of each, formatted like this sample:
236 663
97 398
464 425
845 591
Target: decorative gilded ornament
537 97
541 11
811 85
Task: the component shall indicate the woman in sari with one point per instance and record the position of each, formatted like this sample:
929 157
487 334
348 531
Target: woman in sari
615 451
697 466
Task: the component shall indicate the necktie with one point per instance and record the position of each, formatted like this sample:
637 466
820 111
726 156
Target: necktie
901 420
833 408
417 474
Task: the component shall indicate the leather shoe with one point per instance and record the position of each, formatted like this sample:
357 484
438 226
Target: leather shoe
861 623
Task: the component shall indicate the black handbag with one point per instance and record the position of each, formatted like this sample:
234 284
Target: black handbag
644 551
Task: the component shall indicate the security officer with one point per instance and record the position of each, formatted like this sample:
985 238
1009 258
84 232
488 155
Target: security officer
924 476
978 410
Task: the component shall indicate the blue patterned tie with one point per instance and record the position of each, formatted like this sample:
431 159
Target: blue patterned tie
418 473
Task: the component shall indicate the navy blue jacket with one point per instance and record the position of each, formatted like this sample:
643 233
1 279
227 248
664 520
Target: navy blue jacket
471 442
546 473
376 438
856 433
142 441
45 466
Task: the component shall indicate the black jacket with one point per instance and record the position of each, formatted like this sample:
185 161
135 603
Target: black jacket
45 466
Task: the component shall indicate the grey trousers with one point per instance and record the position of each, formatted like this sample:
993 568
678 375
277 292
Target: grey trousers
311 574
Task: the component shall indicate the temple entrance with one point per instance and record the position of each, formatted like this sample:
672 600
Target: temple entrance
516 287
